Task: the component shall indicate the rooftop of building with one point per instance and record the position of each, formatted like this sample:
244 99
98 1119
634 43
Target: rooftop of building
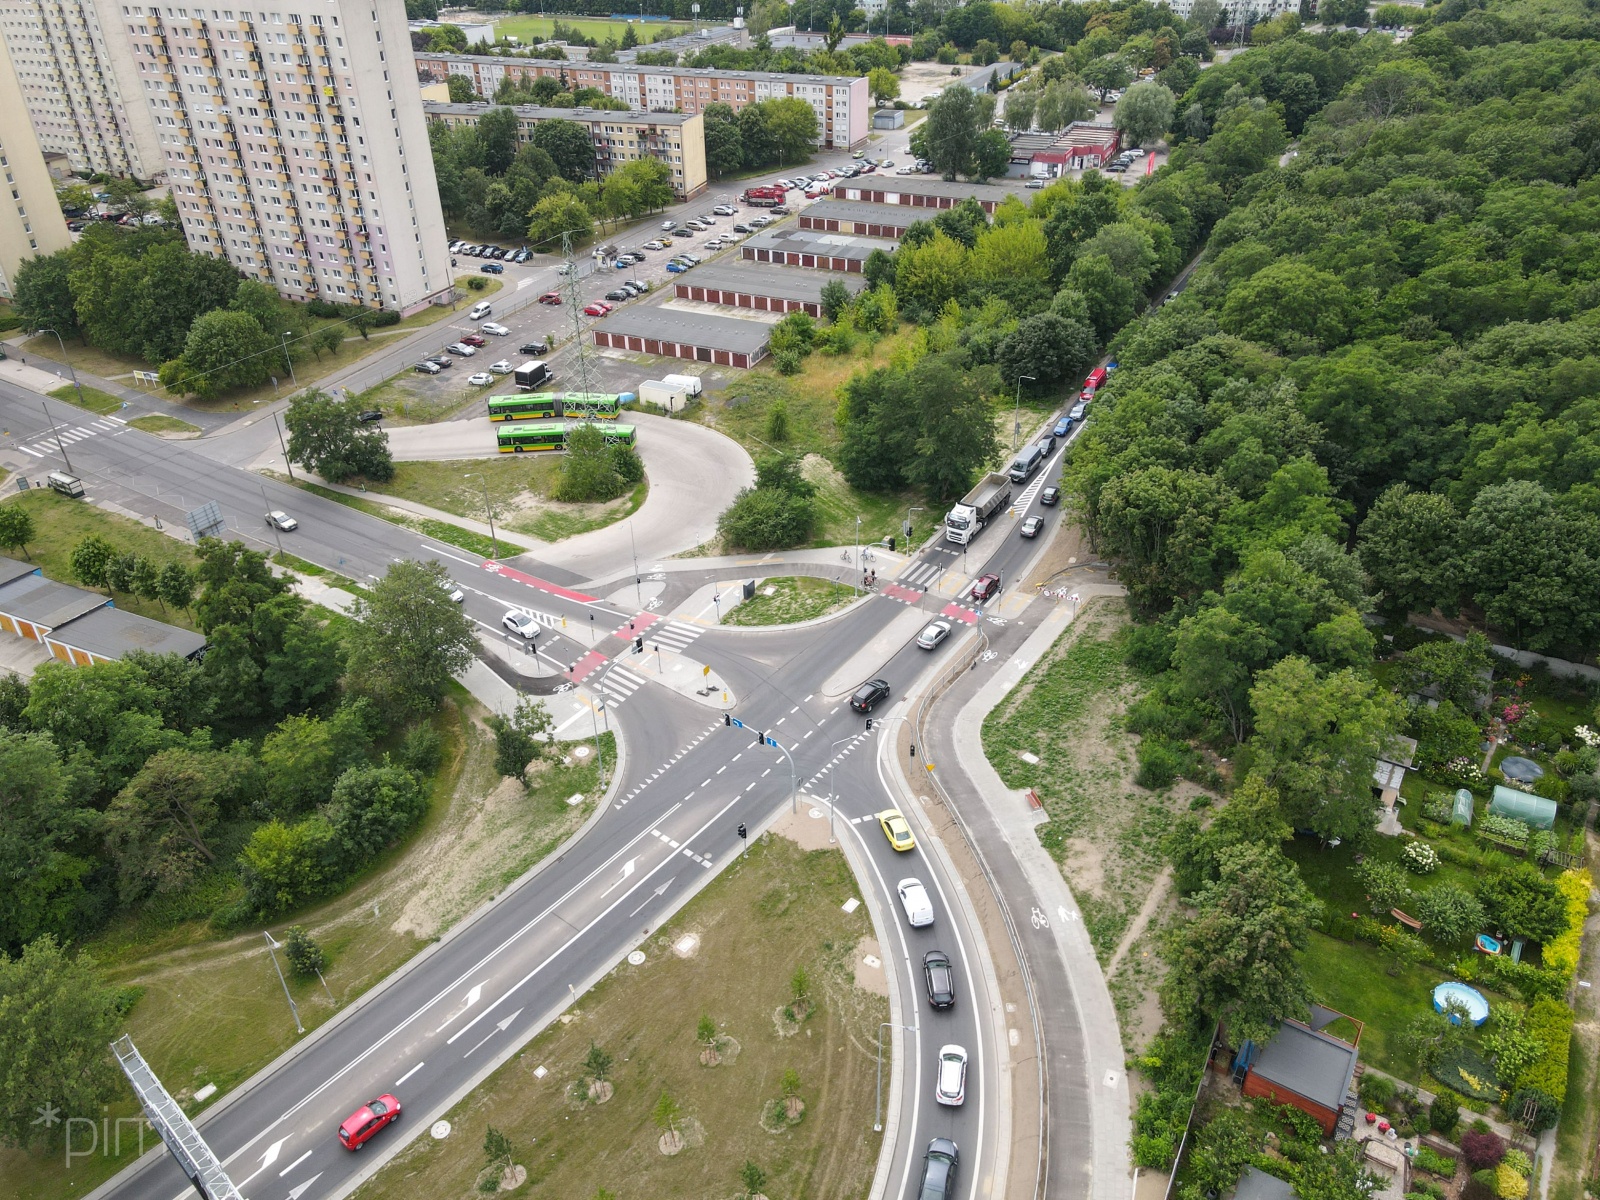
764 279
11 569
45 601
113 633
689 328
689 72
921 185
1308 1062
534 112
832 209
814 241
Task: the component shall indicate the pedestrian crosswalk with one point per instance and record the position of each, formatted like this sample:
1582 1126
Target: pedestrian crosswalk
619 684
46 446
672 635
923 574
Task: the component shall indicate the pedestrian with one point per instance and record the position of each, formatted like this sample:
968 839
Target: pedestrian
874 578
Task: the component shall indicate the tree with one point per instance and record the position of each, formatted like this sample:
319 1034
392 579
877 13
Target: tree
666 1113
1459 671
410 640
497 1150
1237 959
766 518
497 139
588 471
329 337
461 90
1290 306
16 528
1107 74
724 143
305 754
597 1063
1316 739
91 560
224 350
41 821
955 433
569 146
1411 546
1145 112
283 866
1523 903
159 827
176 582
306 958
43 296
952 130
1111 298
792 126
882 85
1432 1037
328 437
521 737
991 155
371 808
1448 913
984 52
753 1178
1047 347
1021 104
835 299
558 213
59 1017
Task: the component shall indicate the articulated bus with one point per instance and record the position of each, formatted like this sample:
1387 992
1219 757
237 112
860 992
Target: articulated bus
520 438
541 406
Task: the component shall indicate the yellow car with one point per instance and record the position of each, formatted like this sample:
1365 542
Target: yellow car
896 829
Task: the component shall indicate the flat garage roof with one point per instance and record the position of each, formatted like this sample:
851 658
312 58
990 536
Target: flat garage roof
913 185
764 279
112 633
688 328
46 602
814 241
860 210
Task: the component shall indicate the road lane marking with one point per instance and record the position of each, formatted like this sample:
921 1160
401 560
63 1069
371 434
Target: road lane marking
300 1160
409 1073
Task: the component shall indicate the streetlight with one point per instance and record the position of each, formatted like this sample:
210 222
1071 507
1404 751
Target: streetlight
831 799
70 368
60 445
1016 409
284 342
284 448
272 946
877 1110
909 511
487 508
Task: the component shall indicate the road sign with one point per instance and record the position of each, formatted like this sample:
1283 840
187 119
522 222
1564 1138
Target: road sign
705 670
737 724
773 742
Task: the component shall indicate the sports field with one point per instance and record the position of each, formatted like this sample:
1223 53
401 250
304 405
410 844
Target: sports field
526 28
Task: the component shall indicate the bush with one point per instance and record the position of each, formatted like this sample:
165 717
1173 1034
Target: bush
1419 858
1444 1114
1536 1110
1386 885
766 519
371 808
1435 1163
1448 913
1376 1091
306 958
422 750
1482 1150
1550 1022
476 283
1509 1185
1160 762
1518 1162
283 866
1561 954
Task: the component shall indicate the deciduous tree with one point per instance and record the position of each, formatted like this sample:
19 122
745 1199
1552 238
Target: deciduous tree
410 640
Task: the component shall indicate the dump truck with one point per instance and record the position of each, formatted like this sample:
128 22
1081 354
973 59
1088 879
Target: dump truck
965 520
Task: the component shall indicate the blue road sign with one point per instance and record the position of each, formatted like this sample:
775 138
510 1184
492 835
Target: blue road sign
738 724
773 742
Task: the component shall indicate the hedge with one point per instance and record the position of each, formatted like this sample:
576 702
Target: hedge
1550 1023
1561 955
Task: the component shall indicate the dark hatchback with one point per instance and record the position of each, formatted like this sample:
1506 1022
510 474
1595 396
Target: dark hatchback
940 977
869 695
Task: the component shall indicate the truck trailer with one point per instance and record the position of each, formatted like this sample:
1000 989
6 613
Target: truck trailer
965 520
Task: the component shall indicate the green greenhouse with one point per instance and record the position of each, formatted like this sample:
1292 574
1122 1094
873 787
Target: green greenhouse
1533 811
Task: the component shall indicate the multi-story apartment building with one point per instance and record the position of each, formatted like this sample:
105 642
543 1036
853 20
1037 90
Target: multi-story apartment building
676 139
79 86
30 219
842 103
295 148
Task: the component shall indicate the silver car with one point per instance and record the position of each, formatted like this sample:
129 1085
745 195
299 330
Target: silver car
521 624
950 1085
933 635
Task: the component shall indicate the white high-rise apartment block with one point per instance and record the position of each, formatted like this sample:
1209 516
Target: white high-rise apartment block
296 147
30 219
79 85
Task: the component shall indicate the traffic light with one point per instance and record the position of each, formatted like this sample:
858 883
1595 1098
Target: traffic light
638 645
727 719
742 831
869 724
760 737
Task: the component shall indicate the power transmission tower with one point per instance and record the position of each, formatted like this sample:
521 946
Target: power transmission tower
577 312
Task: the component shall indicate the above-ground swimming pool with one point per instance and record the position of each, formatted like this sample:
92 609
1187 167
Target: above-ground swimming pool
1468 998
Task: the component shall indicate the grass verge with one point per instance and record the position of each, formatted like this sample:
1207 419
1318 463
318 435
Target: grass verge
92 399
442 531
211 1011
161 423
645 1017
60 523
791 598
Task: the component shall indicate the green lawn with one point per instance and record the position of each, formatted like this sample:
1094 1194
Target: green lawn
453 535
92 399
530 28
794 598
161 423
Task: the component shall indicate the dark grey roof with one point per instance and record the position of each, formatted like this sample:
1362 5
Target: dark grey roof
1311 1064
764 279
924 185
899 215
1258 1185
112 633
46 602
689 328
814 241
11 569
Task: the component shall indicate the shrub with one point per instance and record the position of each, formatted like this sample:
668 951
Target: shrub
1376 1091
1160 762
1438 807
1385 883
476 283
1420 858
306 958
1534 1109
1444 1114
1509 1185
1550 1022
1435 1163
1561 954
283 866
1518 1162
422 749
1482 1149
1448 913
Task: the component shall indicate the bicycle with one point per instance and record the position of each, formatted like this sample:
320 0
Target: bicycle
868 556
845 556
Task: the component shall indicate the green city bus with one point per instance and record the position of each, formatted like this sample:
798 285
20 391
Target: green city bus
521 438
534 406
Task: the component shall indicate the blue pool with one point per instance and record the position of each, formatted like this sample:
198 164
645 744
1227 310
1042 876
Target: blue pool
1468 998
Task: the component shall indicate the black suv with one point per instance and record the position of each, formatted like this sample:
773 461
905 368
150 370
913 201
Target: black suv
940 978
869 694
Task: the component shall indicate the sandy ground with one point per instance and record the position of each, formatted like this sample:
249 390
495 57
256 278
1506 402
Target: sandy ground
921 79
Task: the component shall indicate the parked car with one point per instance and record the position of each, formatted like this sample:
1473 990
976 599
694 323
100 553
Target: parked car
492 269
597 309
363 1125
1031 526
896 830
983 588
533 348
503 367
443 361
619 295
741 228
697 226
780 211
480 379
370 416
427 368
473 339
933 635
282 521
639 285
939 977
869 695
676 268
521 624
725 210
914 900
669 224
655 245
1033 185
461 349
950 1086
550 298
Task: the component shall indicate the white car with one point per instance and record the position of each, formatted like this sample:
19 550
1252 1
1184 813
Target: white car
502 367
521 624
950 1086
725 210
481 379
655 245
453 590
282 521
494 329
914 899
935 633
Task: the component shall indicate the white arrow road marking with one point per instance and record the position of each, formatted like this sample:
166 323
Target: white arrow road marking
627 869
500 1028
470 999
294 1164
267 1159
300 1189
659 892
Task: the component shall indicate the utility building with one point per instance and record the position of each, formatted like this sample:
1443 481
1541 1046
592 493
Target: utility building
778 290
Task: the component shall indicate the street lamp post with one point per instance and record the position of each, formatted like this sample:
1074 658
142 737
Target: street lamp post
877 1111
794 801
1016 410
284 342
282 446
73 370
272 947
832 800
60 445
487 508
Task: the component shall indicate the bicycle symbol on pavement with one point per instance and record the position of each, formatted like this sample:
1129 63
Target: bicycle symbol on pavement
989 655
996 620
654 604
1040 921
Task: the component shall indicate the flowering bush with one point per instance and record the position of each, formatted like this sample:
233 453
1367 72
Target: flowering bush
1420 858
1587 736
1561 954
1462 772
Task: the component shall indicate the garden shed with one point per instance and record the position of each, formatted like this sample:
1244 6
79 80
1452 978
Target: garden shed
1533 811
1312 1070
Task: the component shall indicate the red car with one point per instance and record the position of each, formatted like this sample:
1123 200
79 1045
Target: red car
598 309
360 1126
473 339
550 298
985 587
